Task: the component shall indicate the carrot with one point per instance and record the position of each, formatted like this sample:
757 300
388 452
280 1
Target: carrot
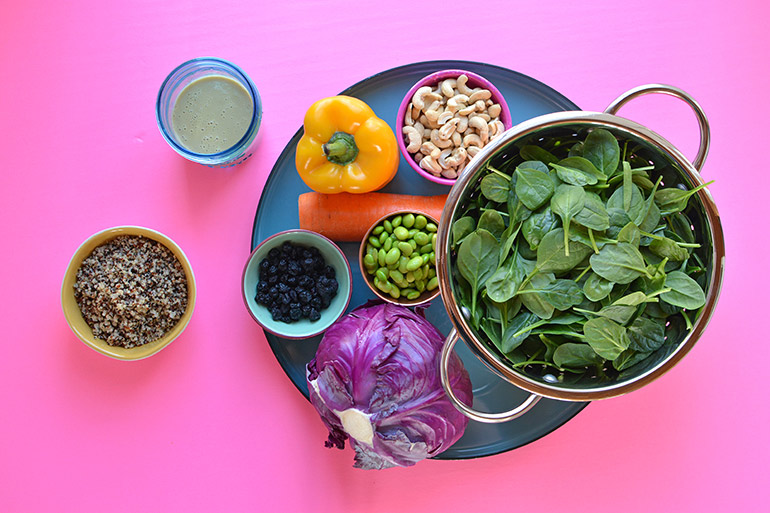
347 217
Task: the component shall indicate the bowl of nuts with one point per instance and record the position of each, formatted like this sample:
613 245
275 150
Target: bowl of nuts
446 118
128 292
398 258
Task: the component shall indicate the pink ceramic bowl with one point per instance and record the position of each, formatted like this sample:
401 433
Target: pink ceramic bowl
474 80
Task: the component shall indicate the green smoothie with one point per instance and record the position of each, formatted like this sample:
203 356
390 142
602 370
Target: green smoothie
211 114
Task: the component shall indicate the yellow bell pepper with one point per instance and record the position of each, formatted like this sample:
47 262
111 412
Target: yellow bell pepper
346 147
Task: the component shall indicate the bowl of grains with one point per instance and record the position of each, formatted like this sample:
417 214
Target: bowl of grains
296 284
128 292
445 119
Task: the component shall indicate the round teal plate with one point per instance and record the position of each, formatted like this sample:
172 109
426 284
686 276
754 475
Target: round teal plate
526 98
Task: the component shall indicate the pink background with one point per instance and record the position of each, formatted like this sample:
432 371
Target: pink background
212 423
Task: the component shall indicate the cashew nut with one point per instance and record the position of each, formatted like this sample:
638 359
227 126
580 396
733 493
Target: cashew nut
462 125
438 141
428 148
496 128
494 110
447 87
473 151
467 111
450 174
481 126
408 119
458 157
481 94
445 117
442 158
418 100
457 139
472 140
429 164
446 131
415 138
456 102
480 106
462 80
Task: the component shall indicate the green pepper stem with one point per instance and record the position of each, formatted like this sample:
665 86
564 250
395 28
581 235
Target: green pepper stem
341 149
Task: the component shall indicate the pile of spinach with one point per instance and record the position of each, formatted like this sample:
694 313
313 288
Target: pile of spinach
571 260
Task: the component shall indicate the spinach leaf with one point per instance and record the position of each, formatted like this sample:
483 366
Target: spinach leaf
606 337
495 188
630 234
672 199
517 211
505 281
535 301
575 355
492 221
532 152
552 255
567 202
537 226
685 292
619 263
636 207
533 187
593 215
462 228
477 260
667 248
578 171
562 294
603 150
645 334
534 164
511 337
629 358
596 288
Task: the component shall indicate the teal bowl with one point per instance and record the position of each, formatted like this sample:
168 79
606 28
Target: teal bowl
304 328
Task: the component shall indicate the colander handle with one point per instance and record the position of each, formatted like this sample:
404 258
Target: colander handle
705 132
489 418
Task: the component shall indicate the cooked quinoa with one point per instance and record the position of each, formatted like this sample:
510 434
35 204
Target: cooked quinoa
131 290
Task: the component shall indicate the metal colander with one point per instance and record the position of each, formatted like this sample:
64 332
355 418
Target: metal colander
676 171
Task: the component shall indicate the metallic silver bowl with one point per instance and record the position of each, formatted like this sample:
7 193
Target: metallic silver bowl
676 169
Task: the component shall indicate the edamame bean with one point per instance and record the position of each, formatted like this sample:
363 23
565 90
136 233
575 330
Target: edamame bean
396 276
393 256
374 241
388 227
420 285
413 295
425 249
405 248
402 264
421 238
431 227
388 244
408 220
382 274
420 222
432 283
381 257
396 222
378 230
401 233
394 292
383 236
414 263
369 262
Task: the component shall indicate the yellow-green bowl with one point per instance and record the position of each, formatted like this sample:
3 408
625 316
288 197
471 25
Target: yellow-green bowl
75 319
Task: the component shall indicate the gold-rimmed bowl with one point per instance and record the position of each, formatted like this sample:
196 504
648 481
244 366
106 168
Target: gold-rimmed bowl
74 316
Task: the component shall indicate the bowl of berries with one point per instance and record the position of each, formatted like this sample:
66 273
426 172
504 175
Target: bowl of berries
296 284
